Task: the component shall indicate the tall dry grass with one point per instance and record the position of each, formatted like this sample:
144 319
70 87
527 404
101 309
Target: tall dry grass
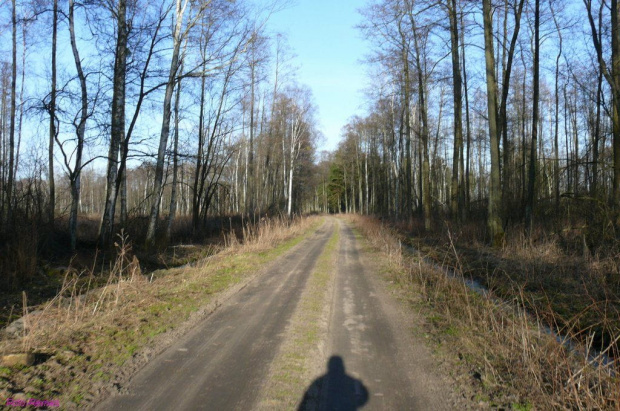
513 357
79 300
266 232
83 306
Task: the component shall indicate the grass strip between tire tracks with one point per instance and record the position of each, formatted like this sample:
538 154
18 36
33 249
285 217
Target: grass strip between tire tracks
301 355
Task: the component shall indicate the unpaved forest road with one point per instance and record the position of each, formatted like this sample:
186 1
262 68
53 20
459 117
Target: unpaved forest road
223 362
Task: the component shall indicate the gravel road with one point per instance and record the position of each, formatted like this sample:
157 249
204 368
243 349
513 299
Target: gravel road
372 360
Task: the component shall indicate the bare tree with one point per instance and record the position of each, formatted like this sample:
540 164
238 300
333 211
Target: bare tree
117 129
80 131
180 32
299 124
494 222
11 172
52 128
529 208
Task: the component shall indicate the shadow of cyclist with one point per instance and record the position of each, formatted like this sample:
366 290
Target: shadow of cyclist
335 390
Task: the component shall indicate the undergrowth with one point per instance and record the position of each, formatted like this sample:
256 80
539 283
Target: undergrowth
87 337
509 357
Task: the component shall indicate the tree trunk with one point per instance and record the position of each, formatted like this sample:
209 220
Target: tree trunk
21 100
117 125
165 128
75 175
251 181
407 127
556 149
458 99
529 208
467 188
615 74
52 130
175 168
201 136
494 221
11 176
426 182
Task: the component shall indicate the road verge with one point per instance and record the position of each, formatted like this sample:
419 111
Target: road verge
87 345
495 352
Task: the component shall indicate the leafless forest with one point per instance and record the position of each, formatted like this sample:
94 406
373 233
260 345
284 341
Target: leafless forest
145 134
159 117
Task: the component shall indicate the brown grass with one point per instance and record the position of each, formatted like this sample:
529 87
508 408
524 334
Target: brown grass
88 337
505 357
575 292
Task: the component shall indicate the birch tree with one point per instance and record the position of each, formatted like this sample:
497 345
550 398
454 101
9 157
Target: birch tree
178 35
79 123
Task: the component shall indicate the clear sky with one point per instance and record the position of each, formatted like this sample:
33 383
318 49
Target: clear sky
329 48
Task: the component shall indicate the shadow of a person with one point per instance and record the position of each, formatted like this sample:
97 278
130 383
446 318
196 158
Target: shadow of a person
334 390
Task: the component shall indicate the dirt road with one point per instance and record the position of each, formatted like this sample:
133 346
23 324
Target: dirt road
223 363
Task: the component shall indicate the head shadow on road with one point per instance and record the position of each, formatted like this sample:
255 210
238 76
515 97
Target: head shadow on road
335 390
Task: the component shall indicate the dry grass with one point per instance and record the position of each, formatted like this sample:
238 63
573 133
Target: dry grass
576 293
88 338
506 357
267 232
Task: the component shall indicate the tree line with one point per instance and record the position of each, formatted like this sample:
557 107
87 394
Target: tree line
505 110
190 106
494 111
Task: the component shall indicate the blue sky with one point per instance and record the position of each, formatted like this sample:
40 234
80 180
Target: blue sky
329 48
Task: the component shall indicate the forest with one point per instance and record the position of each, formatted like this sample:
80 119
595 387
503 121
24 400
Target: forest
470 119
138 139
169 120
117 114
